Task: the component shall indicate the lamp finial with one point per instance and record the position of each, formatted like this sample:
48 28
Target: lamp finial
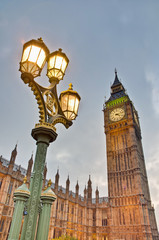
40 39
70 86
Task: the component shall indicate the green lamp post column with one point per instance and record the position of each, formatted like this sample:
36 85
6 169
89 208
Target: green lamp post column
21 195
43 136
47 197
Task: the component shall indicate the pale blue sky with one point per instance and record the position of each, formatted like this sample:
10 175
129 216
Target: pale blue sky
97 36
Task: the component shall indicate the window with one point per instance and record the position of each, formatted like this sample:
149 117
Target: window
7 199
104 218
1 180
1 224
72 210
10 187
54 235
123 219
62 206
8 230
104 222
94 218
57 205
81 216
9 193
120 215
56 208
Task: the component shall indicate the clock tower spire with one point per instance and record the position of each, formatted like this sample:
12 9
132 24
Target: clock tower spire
128 189
117 85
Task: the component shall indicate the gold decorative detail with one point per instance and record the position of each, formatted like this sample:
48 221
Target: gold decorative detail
49 183
21 191
60 120
48 195
45 188
39 101
50 102
46 125
25 179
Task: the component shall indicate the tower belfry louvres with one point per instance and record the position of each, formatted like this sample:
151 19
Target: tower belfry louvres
128 191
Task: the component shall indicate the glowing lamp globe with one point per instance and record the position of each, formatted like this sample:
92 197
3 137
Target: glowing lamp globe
57 64
34 57
69 101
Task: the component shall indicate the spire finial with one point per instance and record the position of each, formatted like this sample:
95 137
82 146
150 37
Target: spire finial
115 71
49 183
25 179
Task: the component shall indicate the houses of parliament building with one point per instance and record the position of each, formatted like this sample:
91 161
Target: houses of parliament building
126 214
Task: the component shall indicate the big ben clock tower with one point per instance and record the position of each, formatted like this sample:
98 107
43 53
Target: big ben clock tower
132 214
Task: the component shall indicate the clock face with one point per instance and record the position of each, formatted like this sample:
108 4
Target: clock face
117 114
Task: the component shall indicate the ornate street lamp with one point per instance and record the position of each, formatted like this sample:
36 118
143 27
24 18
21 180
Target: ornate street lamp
34 57
57 64
69 100
52 110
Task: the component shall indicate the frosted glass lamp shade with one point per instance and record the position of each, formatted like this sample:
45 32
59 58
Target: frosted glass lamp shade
34 57
69 101
57 64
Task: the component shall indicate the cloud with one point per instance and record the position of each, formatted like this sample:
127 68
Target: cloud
152 78
63 156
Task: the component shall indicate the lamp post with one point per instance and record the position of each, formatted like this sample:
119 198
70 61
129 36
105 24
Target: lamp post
52 110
